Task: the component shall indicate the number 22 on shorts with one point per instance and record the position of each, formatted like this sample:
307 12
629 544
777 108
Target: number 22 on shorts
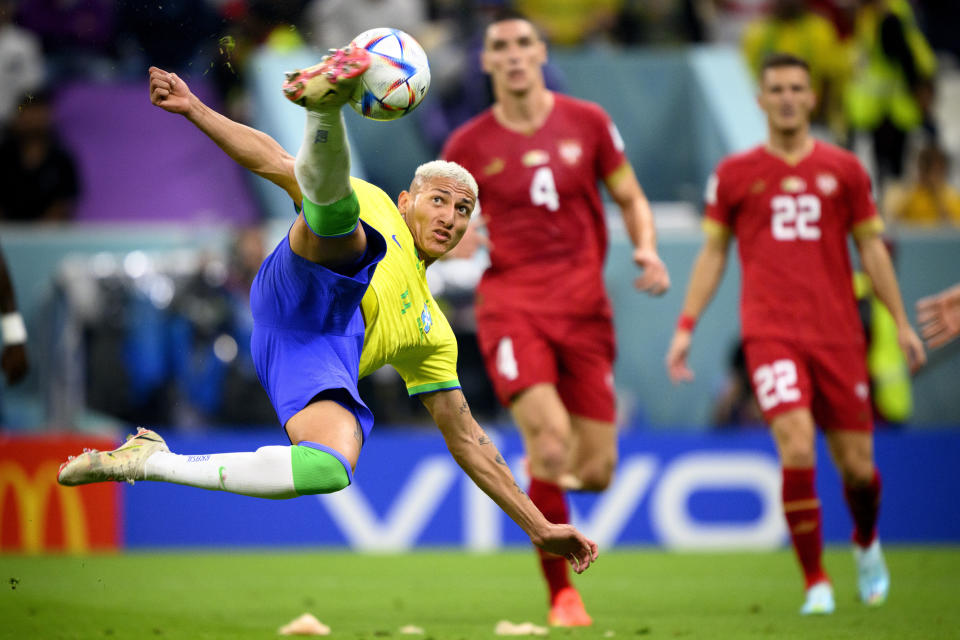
776 383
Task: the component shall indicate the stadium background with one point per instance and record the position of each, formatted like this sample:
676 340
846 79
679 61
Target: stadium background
135 317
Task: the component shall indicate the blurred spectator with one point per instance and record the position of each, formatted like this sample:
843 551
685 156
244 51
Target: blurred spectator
930 199
148 27
78 35
890 91
726 19
334 23
736 405
211 324
571 22
13 358
940 19
662 22
38 175
21 61
793 28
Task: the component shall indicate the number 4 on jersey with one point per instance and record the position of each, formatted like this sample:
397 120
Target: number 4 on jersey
543 190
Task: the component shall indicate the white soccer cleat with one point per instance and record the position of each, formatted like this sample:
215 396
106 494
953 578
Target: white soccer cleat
819 600
123 464
873 579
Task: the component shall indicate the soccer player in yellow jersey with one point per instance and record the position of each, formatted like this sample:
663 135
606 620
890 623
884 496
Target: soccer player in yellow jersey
342 294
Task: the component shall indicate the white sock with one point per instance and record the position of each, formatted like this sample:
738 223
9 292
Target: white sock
323 162
264 473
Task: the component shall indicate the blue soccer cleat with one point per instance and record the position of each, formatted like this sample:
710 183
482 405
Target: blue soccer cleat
873 579
819 600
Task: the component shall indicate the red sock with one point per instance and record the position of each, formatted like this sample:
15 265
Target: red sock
549 498
864 504
802 510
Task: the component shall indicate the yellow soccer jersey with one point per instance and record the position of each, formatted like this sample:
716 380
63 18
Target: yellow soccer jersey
404 325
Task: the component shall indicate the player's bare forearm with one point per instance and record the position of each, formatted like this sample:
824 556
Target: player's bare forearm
479 458
251 149
634 207
638 220
878 266
476 454
707 273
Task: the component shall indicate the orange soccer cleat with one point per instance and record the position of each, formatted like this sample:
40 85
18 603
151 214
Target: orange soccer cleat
329 83
567 610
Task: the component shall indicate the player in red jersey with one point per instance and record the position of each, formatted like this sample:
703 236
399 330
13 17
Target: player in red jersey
790 204
544 321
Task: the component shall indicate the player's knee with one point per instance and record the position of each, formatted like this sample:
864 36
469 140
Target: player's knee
856 471
319 469
596 475
549 456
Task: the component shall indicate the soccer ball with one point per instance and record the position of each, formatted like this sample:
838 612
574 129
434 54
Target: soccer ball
398 77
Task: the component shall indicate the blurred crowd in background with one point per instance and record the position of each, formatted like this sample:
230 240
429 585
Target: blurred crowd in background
876 64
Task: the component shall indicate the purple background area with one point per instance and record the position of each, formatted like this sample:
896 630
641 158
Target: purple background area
140 163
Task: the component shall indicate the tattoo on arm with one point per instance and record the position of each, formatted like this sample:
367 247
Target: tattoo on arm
464 407
520 491
499 459
320 137
358 433
483 439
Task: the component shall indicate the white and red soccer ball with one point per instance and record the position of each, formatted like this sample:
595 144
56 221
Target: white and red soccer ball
398 77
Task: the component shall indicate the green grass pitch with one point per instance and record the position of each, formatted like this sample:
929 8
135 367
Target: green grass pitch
453 595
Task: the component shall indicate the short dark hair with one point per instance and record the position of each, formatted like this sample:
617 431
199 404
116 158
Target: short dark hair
777 60
504 14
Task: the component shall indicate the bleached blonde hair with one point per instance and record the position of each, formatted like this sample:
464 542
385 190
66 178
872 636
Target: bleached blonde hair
446 169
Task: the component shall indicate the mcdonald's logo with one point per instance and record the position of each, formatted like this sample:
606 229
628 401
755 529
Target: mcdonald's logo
37 514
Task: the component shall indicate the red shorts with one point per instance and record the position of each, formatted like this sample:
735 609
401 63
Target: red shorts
830 381
575 354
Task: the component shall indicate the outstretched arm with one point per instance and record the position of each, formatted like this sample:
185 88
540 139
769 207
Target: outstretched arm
14 356
638 218
939 317
877 265
251 149
707 273
479 458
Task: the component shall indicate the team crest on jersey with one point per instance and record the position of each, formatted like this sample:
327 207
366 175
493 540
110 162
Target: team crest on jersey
861 390
570 151
535 158
793 184
827 183
426 320
496 166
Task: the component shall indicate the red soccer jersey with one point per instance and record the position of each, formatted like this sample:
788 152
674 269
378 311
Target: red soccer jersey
791 223
540 200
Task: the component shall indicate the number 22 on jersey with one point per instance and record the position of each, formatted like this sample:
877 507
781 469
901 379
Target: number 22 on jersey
795 217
